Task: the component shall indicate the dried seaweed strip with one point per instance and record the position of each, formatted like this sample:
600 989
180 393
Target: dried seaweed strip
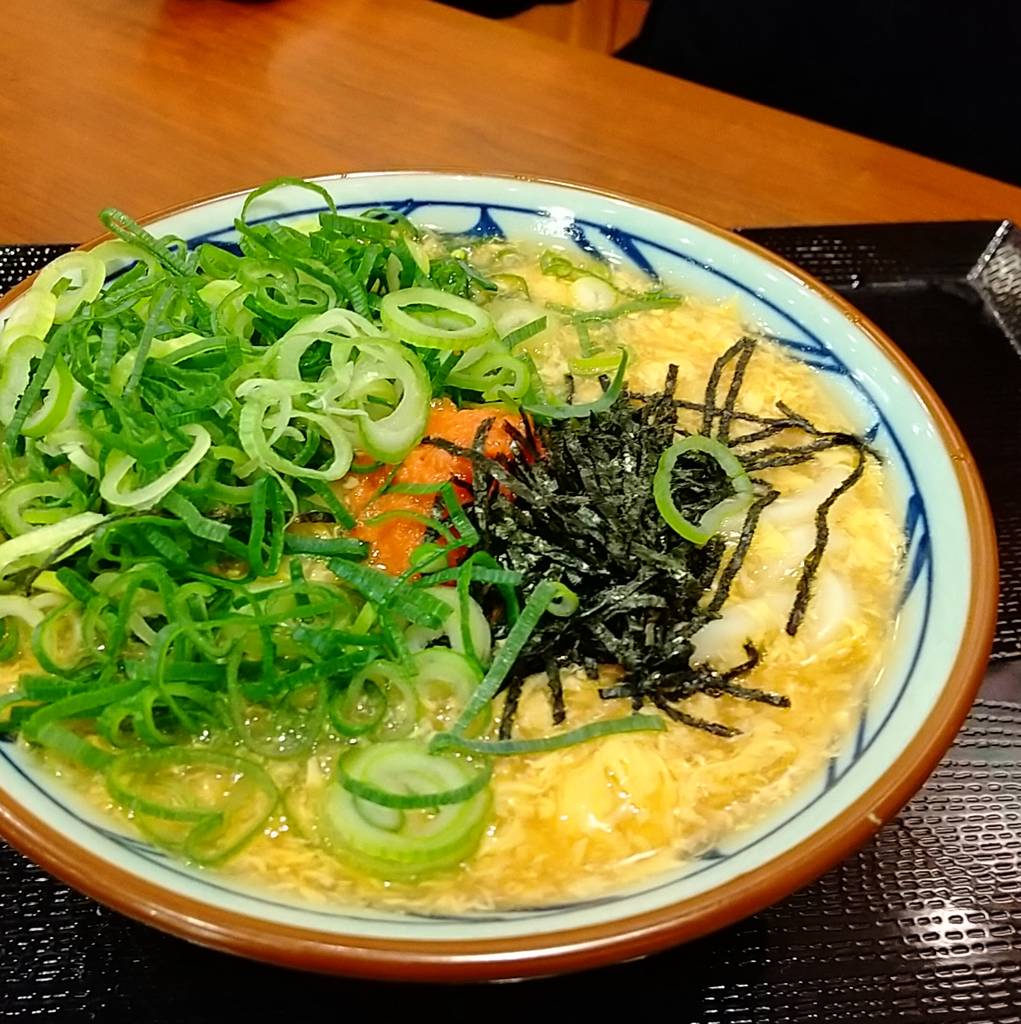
510 707
736 560
690 405
482 432
822 534
796 417
727 412
771 429
556 691
789 455
709 409
482 465
751 661
751 693
716 728
523 441
714 552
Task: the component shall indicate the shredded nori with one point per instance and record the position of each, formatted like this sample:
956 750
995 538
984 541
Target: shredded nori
736 560
740 352
574 502
822 534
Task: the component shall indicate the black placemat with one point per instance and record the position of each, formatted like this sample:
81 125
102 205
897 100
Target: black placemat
923 924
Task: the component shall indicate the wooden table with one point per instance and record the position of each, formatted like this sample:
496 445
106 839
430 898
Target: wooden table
147 103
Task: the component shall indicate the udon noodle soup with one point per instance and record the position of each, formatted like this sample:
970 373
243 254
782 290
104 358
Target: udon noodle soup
371 566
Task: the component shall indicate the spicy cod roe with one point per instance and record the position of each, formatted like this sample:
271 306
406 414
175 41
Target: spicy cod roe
369 497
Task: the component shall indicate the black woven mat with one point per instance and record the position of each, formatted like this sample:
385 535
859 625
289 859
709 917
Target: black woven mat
923 924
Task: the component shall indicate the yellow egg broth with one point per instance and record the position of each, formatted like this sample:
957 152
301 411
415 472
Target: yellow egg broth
573 823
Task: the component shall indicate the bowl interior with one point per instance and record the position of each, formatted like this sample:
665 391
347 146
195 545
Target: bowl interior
886 407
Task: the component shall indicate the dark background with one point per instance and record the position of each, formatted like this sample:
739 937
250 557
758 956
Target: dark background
932 76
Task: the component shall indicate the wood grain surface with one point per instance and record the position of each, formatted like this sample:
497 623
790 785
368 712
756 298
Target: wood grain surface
603 25
147 103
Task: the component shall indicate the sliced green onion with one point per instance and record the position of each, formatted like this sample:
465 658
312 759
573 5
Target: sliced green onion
511 285
45 541
16 373
199 803
584 339
120 464
71 582
467 535
639 304
14 606
379 700
416 250
363 227
198 524
601 404
405 776
564 603
452 323
74 444
493 371
159 348
339 327
8 702
57 406
45 725
458 628
117 254
402 844
596 365
390 437
524 332
387 591
356 710
445 682
85 274
479 573
287 182
556 264
430 557
252 434
332 501
166 253
662 488
571 738
134 719
18 501
59 631
416 517
541 598
326 547
220 264
287 729
31 316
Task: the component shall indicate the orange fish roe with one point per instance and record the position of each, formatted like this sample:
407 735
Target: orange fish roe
392 542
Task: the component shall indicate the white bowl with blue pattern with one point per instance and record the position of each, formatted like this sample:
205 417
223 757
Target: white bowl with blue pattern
947 618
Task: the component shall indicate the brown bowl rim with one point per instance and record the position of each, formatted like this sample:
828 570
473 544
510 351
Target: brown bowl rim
625 938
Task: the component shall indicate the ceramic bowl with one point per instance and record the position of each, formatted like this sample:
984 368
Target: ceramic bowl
946 623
